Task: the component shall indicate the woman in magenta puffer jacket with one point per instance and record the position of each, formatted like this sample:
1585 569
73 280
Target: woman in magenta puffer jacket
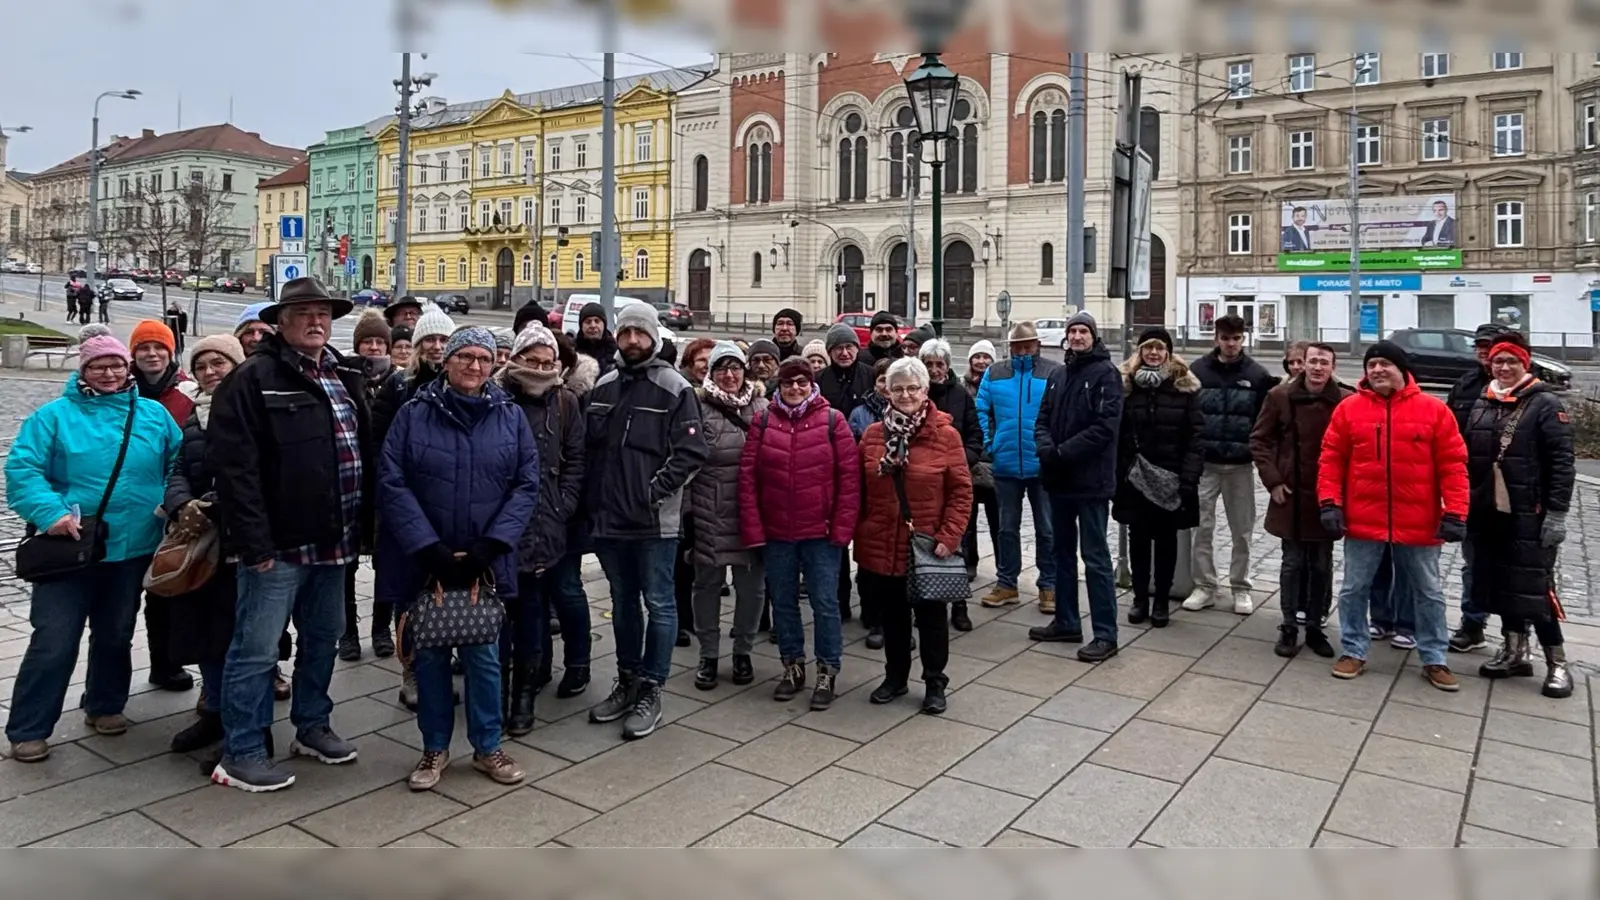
799 495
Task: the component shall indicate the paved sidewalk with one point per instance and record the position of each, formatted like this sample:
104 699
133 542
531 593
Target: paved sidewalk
1196 735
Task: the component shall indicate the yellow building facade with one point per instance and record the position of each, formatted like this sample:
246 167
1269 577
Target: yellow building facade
283 194
490 185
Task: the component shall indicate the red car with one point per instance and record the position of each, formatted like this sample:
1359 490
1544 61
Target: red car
862 323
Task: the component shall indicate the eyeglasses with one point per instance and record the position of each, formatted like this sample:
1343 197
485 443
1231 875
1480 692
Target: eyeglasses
796 382
474 360
906 390
541 366
114 368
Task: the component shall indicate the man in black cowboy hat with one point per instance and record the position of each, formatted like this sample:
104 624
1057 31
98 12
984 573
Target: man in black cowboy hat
405 311
294 460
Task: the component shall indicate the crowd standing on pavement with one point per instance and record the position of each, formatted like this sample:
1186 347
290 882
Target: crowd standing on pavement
484 464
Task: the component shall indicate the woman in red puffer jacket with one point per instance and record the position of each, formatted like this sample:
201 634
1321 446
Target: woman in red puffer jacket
799 494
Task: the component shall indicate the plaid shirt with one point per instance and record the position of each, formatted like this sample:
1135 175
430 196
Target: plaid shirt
347 438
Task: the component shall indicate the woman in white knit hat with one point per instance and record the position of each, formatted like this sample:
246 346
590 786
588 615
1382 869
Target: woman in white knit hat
979 358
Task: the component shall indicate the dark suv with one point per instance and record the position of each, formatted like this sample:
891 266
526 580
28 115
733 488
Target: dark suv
454 304
1443 355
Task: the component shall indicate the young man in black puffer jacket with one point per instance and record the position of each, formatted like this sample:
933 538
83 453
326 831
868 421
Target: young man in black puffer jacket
1233 387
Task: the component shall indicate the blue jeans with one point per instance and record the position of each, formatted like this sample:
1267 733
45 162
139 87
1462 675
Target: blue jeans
1416 572
1470 613
818 560
105 596
436 714
572 609
1083 523
527 637
1008 543
644 609
1393 607
314 597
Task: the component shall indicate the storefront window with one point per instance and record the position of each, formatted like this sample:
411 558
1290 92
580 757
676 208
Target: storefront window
1301 324
1436 311
1510 310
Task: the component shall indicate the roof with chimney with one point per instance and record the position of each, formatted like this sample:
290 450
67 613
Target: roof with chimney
300 173
114 149
670 81
224 139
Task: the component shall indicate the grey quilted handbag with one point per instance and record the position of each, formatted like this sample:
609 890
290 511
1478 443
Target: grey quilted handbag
458 617
930 579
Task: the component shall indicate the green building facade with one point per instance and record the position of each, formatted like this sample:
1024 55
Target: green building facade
343 205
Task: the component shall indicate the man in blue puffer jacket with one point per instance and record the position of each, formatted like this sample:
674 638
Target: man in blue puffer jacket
1008 408
1233 387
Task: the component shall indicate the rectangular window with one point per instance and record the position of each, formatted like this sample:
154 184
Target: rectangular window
422 219
580 152
527 211
366 177
555 268
483 214
316 185
581 208
464 215
642 147
155 179
483 162
1508 223
528 166
227 183
350 178
553 211
641 203
394 175
1508 134
296 202
1435 65
442 217
555 158
366 223
441 165
1365 68
1436 310
269 203
1591 217
1589 126
1369 145
505 159
1302 150
464 164
505 213
461 268
1435 139
1506 61
1239 79
1302 72
1239 233
1239 152
422 170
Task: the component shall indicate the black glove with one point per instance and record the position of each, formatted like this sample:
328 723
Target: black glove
480 557
1332 518
1452 529
438 561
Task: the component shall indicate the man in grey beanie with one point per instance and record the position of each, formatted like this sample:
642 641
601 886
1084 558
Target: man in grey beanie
644 445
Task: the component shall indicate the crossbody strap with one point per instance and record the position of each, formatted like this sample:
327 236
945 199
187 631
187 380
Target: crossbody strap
1509 431
122 454
900 491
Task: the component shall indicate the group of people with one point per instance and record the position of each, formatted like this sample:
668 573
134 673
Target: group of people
475 459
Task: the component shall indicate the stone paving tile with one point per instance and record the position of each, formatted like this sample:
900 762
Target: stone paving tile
997 641
1526 813
882 837
1309 685
745 716
130 829
1181 637
1300 741
1330 840
789 754
1240 659
67 762
1468 701
1473 836
1230 804
1429 726
1011 839
1097 807
835 803
576 739
1539 733
1202 703
1159 751
956 812
1029 757
1521 695
917 751
853 718
383 816
1090 709
1136 673
1424 764
1396 813
988 707
104 794
678 813
474 790
1035 674
1539 770
419 841
617 776
523 818
753 832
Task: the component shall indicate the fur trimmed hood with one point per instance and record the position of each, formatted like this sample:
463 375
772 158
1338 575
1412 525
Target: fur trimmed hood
1177 372
583 375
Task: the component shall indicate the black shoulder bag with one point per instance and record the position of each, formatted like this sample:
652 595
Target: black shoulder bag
41 557
929 579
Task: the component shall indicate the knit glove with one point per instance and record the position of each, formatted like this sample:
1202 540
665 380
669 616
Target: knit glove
439 562
1554 530
1452 529
1332 518
192 518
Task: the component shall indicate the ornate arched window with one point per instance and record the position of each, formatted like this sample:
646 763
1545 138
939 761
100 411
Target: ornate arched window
852 161
641 264
903 143
1048 137
758 165
961 157
702 183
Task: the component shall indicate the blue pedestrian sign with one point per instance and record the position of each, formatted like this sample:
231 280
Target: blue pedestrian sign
291 272
286 268
350 266
292 228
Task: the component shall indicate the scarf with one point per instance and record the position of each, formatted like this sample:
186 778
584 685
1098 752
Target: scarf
152 388
1149 377
202 409
470 410
796 412
877 404
720 397
899 429
87 391
529 380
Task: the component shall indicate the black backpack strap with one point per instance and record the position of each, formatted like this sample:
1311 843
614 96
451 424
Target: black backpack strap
122 454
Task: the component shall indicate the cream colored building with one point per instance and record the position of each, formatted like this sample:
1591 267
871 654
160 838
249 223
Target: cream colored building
1466 142
16 200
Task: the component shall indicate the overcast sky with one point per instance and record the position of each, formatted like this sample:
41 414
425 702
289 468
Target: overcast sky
292 68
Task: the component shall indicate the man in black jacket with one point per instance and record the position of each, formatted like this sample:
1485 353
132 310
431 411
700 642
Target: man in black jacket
885 343
1464 394
292 449
786 327
594 339
644 444
950 397
1233 386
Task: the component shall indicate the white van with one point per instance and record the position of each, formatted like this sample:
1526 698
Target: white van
576 303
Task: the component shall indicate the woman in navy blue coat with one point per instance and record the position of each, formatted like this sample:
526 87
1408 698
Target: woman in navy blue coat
458 482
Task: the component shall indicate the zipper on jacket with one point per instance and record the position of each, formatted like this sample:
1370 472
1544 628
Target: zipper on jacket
1388 470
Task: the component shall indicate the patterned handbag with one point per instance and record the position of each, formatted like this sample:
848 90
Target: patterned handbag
458 617
930 579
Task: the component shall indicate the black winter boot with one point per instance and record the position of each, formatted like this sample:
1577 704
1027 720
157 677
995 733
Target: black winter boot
959 619
933 700
523 694
1139 611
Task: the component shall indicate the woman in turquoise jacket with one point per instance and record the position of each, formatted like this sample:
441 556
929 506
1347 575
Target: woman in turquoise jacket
57 471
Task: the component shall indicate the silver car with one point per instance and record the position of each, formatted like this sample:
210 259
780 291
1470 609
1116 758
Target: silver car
122 289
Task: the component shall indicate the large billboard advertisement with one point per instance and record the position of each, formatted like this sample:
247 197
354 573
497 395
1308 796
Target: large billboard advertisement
1387 223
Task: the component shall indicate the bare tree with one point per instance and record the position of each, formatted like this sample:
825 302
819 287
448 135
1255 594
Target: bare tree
210 233
154 223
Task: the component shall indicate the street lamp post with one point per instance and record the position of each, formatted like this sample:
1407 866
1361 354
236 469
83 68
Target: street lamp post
1360 63
932 88
92 251
5 236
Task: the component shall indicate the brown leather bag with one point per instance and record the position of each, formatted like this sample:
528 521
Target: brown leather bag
184 562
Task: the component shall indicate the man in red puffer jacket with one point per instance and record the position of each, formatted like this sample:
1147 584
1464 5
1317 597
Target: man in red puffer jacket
1393 472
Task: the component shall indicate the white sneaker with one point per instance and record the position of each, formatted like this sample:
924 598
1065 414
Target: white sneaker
1200 599
1243 603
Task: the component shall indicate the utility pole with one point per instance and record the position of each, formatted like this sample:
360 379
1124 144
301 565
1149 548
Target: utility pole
912 183
1355 219
1077 151
608 170
401 222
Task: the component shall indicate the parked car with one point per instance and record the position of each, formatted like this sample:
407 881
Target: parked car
1442 355
674 315
231 285
198 283
454 304
35 269
172 276
862 323
370 297
121 289
14 267
1052 332
576 302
